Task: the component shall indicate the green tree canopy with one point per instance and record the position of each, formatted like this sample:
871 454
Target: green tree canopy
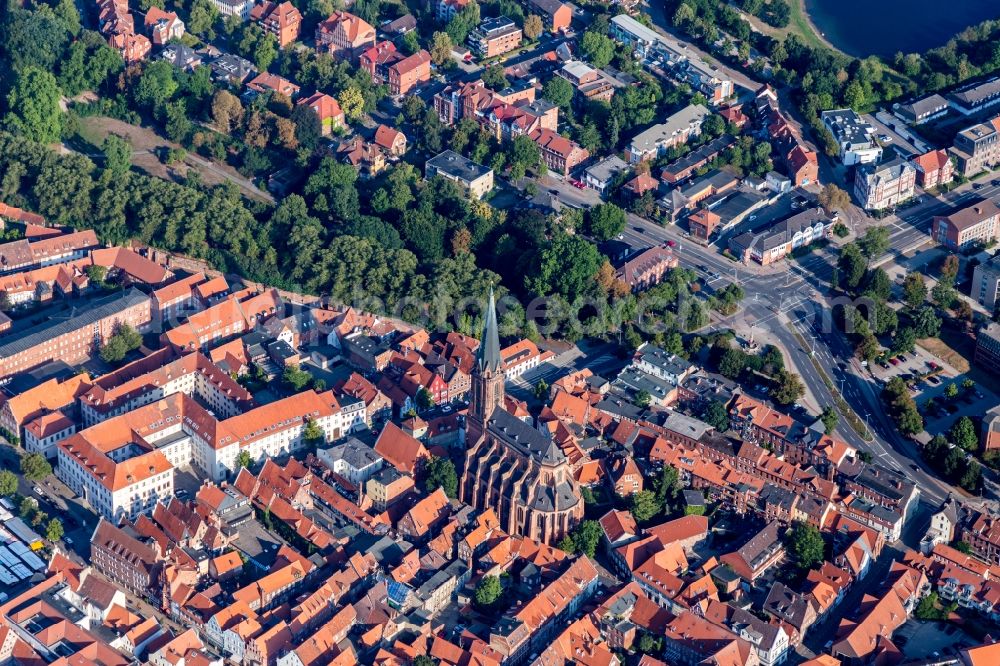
35 467
33 105
488 592
440 473
644 505
806 545
54 530
8 483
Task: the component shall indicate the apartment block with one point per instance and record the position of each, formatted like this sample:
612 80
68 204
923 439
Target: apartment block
495 36
988 348
854 136
977 148
986 283
677 130
934 169
400 72
77 336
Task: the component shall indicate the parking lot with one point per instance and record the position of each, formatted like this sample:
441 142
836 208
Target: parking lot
930 640
929 377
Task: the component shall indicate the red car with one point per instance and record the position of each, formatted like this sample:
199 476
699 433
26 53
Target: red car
894 361
671 243
578 184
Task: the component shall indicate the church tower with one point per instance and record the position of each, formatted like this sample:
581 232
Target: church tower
487 376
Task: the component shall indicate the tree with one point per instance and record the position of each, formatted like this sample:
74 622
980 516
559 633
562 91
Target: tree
904 341
806 544
227 112
156 85
441 48
424 399
117 155
716 415
874 243
926 323
488 592
789 389
963 547
494 79
243 459
943 294
586 537
852 265
34 467
566 267
295 377
642 398
559 91
914 289
423 659
352 103
54 531
541 389
440 473
313 434
833 198
732 363
265 51
201 18
605 221
8 483
597 48
533 27
33 105
951 391
963 433
123 341
644 505
829 419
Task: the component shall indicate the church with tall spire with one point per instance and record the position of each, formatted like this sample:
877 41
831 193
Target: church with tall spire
511 467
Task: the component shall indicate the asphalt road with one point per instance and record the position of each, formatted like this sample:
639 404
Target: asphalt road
791 302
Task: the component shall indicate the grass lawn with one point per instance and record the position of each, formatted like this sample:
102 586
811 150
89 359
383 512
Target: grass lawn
799 25
953 349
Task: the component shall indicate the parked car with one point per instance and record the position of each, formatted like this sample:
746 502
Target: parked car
933 380
894 360
671 243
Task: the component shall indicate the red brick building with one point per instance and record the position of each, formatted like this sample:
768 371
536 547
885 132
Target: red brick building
283 20
75 338
560 154
933 169
401 73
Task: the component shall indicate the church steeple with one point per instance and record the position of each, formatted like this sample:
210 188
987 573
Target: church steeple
487 376
488 355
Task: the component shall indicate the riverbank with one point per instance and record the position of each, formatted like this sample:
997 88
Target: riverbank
799 24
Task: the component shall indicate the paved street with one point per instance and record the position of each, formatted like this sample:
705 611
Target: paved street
787 301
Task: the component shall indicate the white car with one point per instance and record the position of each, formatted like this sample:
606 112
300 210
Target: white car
38 490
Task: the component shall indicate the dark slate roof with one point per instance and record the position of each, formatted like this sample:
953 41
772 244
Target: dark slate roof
516 433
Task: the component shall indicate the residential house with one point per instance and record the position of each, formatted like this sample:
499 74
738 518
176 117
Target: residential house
391 140
603 174
977 148
762 552
475 178
283 20
976 96
238 8
933 169
921 110
985 287
560 154
272 83
556 15
163 26
327 110
400 72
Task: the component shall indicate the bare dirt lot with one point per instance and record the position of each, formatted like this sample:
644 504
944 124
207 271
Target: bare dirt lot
146 146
